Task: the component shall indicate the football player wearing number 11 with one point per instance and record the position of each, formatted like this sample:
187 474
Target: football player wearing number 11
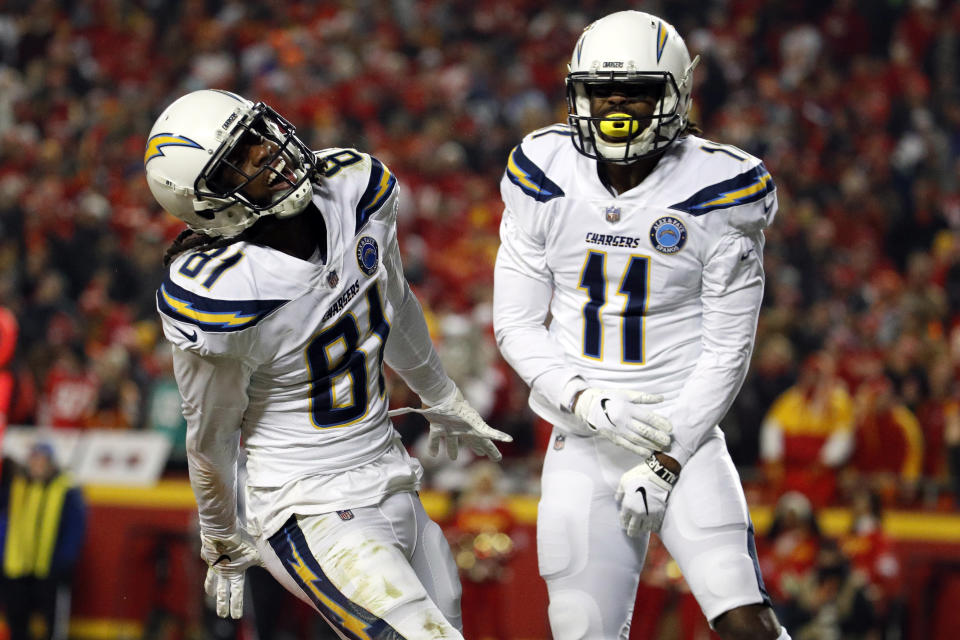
642 242
284 297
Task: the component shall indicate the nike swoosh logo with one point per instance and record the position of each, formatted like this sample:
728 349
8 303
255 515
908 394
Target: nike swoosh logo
221 559
643 494
603 405
745 254
192 337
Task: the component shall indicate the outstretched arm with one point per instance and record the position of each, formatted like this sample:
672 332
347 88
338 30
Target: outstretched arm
411 353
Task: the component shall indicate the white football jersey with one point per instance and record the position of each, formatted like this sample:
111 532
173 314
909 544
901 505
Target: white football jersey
656 289
312 335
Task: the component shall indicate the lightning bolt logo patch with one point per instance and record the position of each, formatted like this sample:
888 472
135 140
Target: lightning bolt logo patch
156 144
749 186
661 40
530 178
209 314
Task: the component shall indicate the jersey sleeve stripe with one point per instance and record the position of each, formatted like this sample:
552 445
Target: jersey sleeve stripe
209 314
749 186
379 187
530 178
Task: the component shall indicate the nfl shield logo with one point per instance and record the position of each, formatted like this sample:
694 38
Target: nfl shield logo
559 442
613 214
333 278
345 515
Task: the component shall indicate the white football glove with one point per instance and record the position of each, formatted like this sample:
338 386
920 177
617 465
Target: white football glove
642 496
227 560
618 416
454 420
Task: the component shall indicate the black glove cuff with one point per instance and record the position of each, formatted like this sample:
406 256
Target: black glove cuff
662 472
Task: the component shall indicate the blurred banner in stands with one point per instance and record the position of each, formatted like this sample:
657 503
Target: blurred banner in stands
96 456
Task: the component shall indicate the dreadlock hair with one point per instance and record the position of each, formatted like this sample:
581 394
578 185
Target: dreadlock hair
188 239
692 129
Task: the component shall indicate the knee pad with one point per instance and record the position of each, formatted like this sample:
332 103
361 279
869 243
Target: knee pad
574 616
722 579
563 516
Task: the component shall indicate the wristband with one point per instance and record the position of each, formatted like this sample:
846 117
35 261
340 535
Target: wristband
571 392
661 471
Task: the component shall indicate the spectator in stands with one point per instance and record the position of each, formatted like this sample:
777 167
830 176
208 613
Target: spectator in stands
951 437
871 552
830 601
888 449
790 547
46 520
937 414
481 537
865 145
70 390
773 371
808 432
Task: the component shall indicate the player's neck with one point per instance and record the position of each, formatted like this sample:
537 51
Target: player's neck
620 178
299 236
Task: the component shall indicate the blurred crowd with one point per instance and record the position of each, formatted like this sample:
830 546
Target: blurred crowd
854 105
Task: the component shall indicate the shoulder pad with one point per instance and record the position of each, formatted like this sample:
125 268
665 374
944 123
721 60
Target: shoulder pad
725 177
530 160
195 318
366 184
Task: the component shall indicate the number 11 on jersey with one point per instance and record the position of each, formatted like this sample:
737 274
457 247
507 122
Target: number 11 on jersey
633 287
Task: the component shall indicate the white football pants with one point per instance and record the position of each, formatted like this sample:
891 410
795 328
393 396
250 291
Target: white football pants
383 572
592 567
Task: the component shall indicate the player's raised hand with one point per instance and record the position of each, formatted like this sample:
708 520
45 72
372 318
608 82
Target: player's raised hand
228 559
454 421
619 416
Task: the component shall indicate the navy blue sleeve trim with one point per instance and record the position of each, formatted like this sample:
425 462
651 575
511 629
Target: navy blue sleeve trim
530 178
381 184
209 314
749 186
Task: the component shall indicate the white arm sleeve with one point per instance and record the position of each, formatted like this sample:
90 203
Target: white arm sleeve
771 441
409 350
523 286
837 448
732 291
214 392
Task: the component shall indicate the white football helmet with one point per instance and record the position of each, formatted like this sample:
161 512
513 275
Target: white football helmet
193 143
629 47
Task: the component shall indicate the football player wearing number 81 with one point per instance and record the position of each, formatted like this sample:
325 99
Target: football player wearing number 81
284 297
642 244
